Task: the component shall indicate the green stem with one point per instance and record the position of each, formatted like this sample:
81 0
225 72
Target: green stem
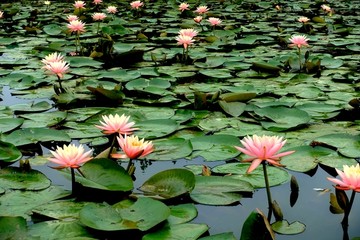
129 166
299 58
345 221
267 191
112 145
97 31
73 187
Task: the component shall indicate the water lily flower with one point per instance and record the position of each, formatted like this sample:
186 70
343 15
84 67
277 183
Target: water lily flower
198 19
136 4
116 124
76 26
202 9
214 21
70 156
57 68
188 32
184 6
303 19
79 4
299 41
184 40
111 9
47 2
133 148
350 178
96 2
98 16
53 57
72 18
326 8
1 14
263 148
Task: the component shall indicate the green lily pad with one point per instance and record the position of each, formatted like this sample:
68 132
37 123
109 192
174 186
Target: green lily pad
53 29
77 62
144 214
211 62
9 153
169 183
189 231
8 124
282 118
283 227
347 144
276 175
216 73
47 119
182 213
105 174
17 178
56 229
256 227
216 190
215 147
156 128
12 227
234 109
35 135
171 149
20 203
60 210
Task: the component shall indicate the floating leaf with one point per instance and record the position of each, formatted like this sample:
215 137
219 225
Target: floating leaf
156 128
283 227
9 153
216 190
171 149
61 210
234 109
17 178
12 227
169 183
188 231
144 214
346 144
255 227
8 124
182 213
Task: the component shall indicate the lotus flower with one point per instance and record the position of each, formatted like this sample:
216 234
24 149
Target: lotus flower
98 16
53 57
214 21
96 2
184 40
303 19
183 7
116 124
198 19
133 148
76 26
79 4
202 9
188 32
72 18
57 68
261 149
298 41
111 9
136 4
70 156
350 178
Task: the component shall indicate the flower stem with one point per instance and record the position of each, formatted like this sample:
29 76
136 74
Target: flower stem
112 145
73 187
267 191
345 221
299 58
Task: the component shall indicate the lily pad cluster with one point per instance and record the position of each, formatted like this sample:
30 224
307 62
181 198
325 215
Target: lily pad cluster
239 79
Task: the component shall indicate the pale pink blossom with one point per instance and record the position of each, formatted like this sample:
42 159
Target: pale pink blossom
1 14
53 57
136 4
188 32
72 18
96 2
303 19
133 147
214 21
98 16
47 2
79 4
57 68
202 9
198 19
70 156
262 149
326 8
111 9
184 40
184 6
350 178
76 26
116 124
298 41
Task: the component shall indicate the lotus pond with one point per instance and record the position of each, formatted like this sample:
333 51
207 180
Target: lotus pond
236 78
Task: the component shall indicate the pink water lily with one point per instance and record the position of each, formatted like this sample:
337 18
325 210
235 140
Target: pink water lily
202 9
76 26
79 4
98 16
96 2
58 68
133 147
263 148
303 19
299 41
111 9
214 21
72 18
198 19
53 57
136 4
350 178
184 40
116 124
183 7
70 156
188 32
